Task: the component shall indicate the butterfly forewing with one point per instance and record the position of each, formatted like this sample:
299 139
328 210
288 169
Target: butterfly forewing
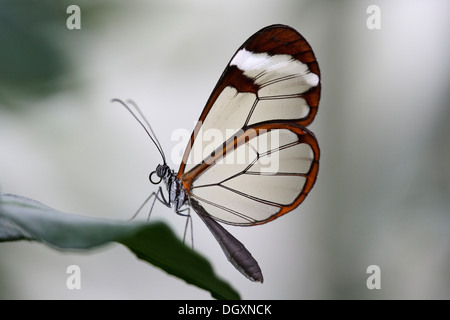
250 158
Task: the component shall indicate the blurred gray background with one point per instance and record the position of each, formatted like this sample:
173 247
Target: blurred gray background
382 195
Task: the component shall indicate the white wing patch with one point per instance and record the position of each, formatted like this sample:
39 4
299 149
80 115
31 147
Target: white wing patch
266 70
282 80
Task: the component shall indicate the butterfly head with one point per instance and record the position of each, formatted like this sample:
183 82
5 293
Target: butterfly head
162 171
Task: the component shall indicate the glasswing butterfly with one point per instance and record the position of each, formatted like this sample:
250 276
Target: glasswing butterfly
266 161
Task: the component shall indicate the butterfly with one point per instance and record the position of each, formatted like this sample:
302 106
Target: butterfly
250 158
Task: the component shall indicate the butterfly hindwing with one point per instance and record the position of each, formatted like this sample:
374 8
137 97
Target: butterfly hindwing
257 176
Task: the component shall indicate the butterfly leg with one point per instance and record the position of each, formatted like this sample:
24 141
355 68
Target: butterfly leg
158 196
188 222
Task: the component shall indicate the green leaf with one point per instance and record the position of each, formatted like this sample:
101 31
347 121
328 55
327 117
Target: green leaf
25 219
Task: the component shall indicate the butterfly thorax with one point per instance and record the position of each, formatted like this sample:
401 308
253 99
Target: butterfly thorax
177 194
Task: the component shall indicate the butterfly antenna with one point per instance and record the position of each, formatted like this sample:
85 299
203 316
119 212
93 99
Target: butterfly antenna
144 123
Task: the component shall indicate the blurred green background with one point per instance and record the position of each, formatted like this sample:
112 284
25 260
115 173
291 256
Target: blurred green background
383 191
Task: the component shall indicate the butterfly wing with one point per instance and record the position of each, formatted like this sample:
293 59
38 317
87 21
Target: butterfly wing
260 174
250 158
